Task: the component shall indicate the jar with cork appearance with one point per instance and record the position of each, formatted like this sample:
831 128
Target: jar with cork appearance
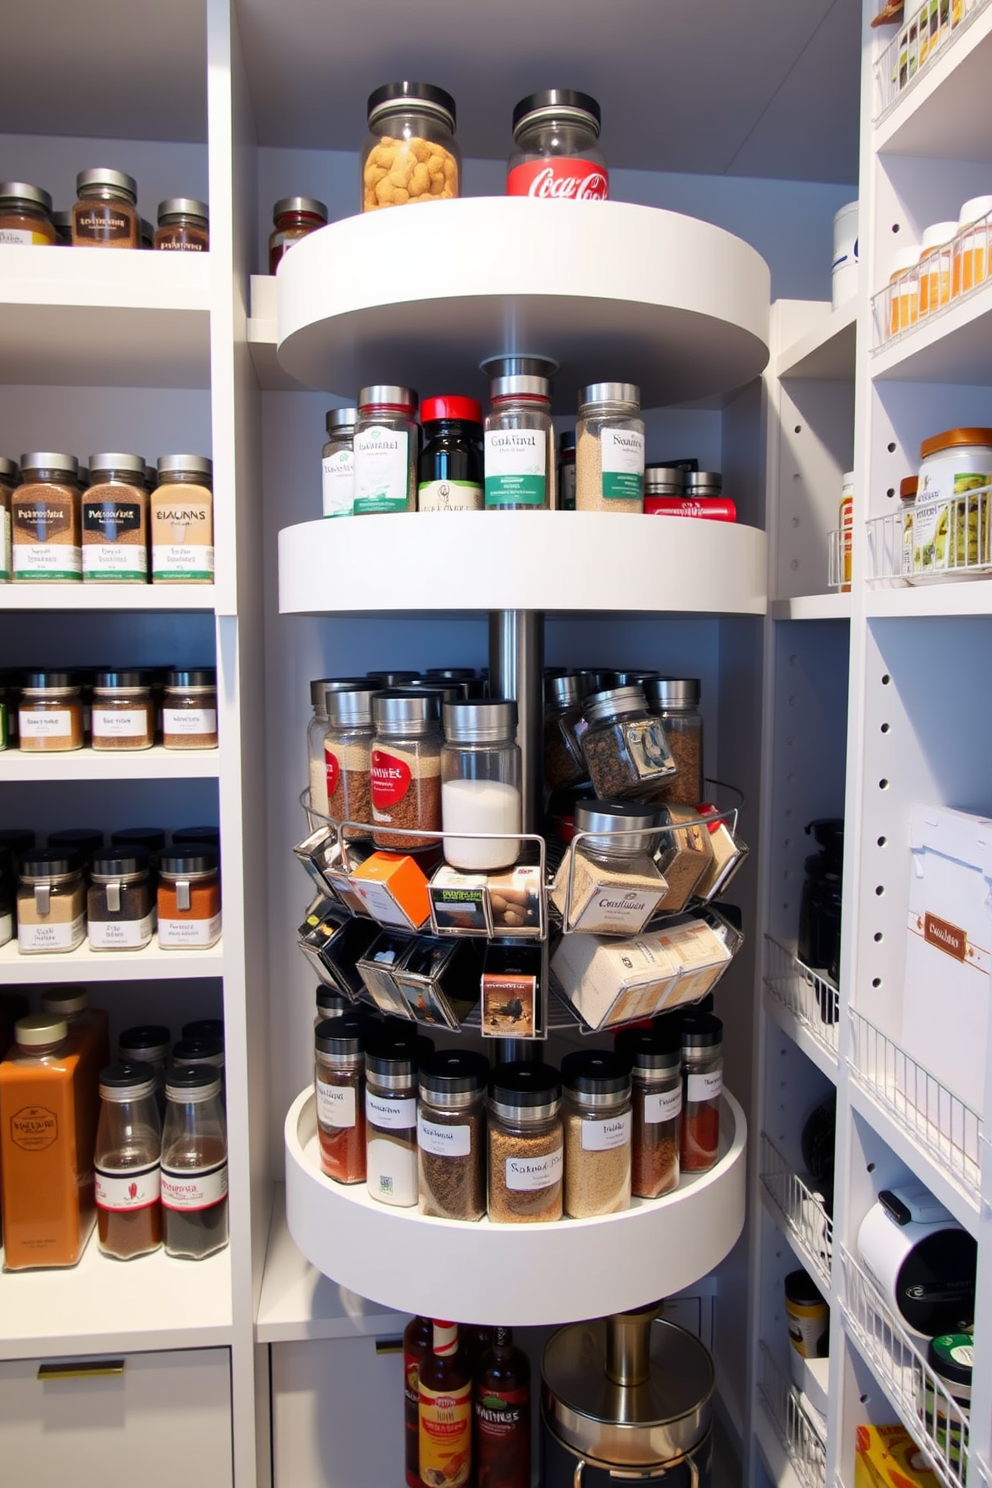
122 715
51 902
675 700
598 1121
607 883
451 1135
655 1057
391 1060
182 521
45 520
188 899
105 215
126 1163
293 218
50 714
339 1088
10 474
702 1073
626 749
556 154
480 784
405 774
609 454
338 463
189 711
348 755
120 902
564 762
25 216
410 154
526 1144
519 445
387 443
183 226
115 520
194 1164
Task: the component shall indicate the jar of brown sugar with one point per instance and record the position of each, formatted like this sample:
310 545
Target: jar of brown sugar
25 215
106 215
405 772
51 902
188 900
122 716
182 521
50 715
675 700
189 711
183 225
120 903
526 1144
9 476
45 520
115 520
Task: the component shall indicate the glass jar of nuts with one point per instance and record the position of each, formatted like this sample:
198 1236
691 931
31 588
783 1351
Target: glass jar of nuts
410 154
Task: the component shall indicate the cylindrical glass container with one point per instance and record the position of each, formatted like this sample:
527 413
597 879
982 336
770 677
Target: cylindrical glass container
608 884
597 1118
526 1144
316 729
51 902
451 1135
105 215
391 1060
203 1050
188 899
148 1044
45 520
115 520
675 700
410 153
556 155
656 1073
480 784
10 475
339 1088
450 472
120 904
406 766
566 470
25 215
564 762
904 289
348 755
702 1072
189 712
293 218
971 246
519 445
386 447
182 521
50 713
338 463
183 225
194 1164
126 1163
122 715
625 748
609 457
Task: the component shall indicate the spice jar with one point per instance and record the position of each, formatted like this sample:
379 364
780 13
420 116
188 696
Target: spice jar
556 153
675 700
410 153
480 784
115 520
194 1164
950 521
971 245
597 1118
391 1059
45 520
566 470
386 446
50 713
105 216
655 1057
25 215
188 899
183 225
702 1075
120 906
126 1163
683 855
348 755
293 217
936 259
519 445
625 748
405 774
189 712
10 475
451 1135
904 289
450 476
608 884
609 458
338 463
564 762
51 902
339 1089
526 1144
182 521
122 715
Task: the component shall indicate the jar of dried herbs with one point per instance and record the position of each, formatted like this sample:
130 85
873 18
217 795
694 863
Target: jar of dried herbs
598 1123
451 1135
526 1144
655 1057
625 748
348 755
115 521
392 1058
50 713
189 710
675 700
564 762
122 715
405 772
51 902
607 883
339 1088
609 448
120 903
44 516
683 855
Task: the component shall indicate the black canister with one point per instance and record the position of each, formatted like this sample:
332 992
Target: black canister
818 944
450 471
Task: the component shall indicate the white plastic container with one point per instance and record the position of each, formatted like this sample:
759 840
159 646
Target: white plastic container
951 522
845 265
921 1261
936 257
904 295
971 246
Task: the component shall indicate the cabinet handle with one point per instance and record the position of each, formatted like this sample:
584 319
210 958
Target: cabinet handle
78 1369
389 1345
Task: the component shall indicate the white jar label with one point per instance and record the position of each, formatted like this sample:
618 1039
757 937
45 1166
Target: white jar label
21 236
108 724
615 908
516 463
605 1135
115 561
56 724
182 561
65 936
47 561
529 1174
444 1141
182 934
706 1087
123 935
449 496
391 1115
392 1172
662 1106
623 464
382 470
338 483
189 720
6 928
336 1104
196 1190
137 1188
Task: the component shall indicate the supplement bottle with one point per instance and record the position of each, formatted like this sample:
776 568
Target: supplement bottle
450 474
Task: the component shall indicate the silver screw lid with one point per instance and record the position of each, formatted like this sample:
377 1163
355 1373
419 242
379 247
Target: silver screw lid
350 709
338 419
191 464
480 723
564 690
21 191
387 394
406 712
703 482
519 366
300 204
102 176
663 480
9 469
133 463
617 816
615 701
520 386
609 392
46 460
182 206
672 692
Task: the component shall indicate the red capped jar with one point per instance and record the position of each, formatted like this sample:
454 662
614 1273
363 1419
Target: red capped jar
556 154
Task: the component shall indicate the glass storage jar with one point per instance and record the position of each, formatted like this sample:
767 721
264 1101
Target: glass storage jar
338 463
183 225
526 1144
936 261
480 784
675 700
556 154
120 905
702 1071
45 520
386 447
188 899
115 520
566 470
339 1087
25 215
203 1050
391 1060
316 729
51 902
625 748
348 755
609 455
450 473
182 521
189 712
293 218
194 1164
597 1117
331 1004
105 214
50 713
564 762
410 153
148 1044
127 1163
122 715
608 884
405 773
971 245
519 445
655 1057
10 475
451 1135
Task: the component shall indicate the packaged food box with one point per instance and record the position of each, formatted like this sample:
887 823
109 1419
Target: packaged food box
610 981
512 991
700 953
516 902
320 854
888 1457
393 889
459 903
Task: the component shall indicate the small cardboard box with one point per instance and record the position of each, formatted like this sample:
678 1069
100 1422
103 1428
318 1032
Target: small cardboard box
888 1457
610 981
516 902
699 952
393 890
512 992
459 903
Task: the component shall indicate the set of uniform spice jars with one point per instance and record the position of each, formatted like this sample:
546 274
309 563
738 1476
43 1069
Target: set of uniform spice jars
54 711
116 520
105 215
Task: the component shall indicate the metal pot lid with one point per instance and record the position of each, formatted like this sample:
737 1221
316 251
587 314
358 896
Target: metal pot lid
634 1426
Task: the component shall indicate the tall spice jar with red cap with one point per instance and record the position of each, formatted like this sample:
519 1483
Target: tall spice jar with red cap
556 154
451 472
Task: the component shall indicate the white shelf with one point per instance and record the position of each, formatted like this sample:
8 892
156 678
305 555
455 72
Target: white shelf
541 560
105 1307
798 1212
122 597
954 346
94 317
110 764
520 1275
953 597
834 606
790 998
607 289
826 352
935 116
84 965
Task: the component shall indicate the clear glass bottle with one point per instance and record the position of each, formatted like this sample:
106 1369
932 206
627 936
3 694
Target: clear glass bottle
519 445
556 154
122 715
626 750
609 449
126 1163
387 444
189 710
702 1073
194 1164
405 775
293 218
451 1135
25 215
120 901
338 462
608 884
339 1089
564 762
410 153
50 713
526 1144
480 784
675 700
597 1118
105 214
348 755
183 226
655 1057
391 1061
51 902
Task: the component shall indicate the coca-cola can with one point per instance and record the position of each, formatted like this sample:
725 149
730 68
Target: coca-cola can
557 155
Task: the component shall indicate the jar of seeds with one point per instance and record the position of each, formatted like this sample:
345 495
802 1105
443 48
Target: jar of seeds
655 1057
625 749
348 755
564 762
526 1144
451 1135
391 1060
405 773
597 1133
607 884
609 449
675 700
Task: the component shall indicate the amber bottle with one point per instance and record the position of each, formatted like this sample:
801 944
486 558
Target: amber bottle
502 1415
445 1412
417 1338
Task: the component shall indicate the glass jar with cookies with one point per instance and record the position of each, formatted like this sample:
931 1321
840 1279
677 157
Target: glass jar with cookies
410 154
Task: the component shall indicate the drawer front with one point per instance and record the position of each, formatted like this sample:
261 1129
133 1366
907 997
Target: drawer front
337 1414
158 1421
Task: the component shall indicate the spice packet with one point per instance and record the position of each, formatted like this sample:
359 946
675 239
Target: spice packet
459 903
513 992
440 980
610 981
517 902
325 918
393 890
376 968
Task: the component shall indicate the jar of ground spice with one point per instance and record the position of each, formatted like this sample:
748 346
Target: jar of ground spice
115 520
625 748
9 476
702 1076
391 1061
126 1163
45 520
189 709
609 448
675 700
25 216
655 1057
106 215
182 226
339 1089
451 1135
405 772
348 755
564 762
122 715
607 883
50 713
293 217
51 902
182 521
526 1144
188 899
597 1118
120 904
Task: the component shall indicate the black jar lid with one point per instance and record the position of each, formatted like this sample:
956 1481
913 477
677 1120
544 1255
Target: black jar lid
192 1082
451 674
394 1051
553 101
152 839
566 442
384 100
827 832
202 1028
46 679
127 1078
17 839
178 861
344 1036
197 837
453 1073
701 1031
145 1038
45 862
331 1003
595 1072
192 677
525 1084
801 1289
393 679
198 1050
119 864
650 1051
114 679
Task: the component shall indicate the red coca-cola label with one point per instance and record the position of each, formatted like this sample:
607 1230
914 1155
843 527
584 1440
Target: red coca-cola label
332 770
390 779
714 508
559 179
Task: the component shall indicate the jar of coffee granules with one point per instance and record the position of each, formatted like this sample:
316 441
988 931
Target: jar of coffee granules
189 712
609 459
44 516
122 716
391 1060
126 1163
120 903
625 748
526 1144
451 1135
183 225
50 713
702 1075
9 476
405 772
675 700
188 899
564 762
607 884
348 755
339 1088
655 1056
598 1122
105 216
51 902
115 521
